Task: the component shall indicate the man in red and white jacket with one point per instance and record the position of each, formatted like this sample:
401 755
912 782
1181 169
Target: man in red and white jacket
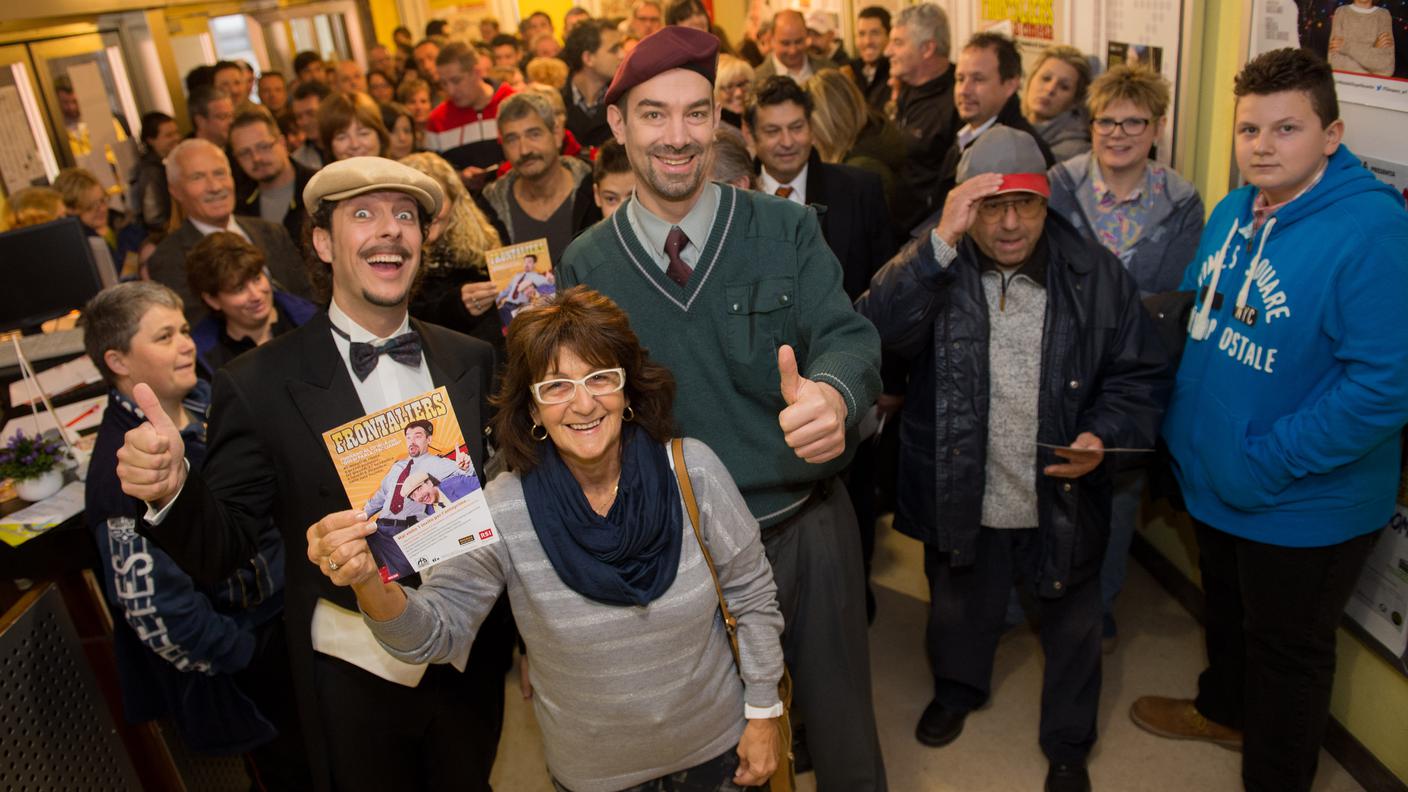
464 129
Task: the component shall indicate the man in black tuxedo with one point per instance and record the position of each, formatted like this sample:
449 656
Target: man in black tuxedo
850 202
371 722
203 185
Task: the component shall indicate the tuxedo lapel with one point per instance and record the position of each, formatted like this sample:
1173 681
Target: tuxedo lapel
461 381
323 390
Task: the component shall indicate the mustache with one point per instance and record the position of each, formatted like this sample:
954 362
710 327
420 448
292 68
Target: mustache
663 150
393 248
214 194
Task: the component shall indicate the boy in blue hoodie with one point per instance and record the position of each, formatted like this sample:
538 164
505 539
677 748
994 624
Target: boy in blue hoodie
1284 423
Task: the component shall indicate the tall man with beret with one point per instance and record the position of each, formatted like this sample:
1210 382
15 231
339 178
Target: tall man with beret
371 722
1031 354
739 295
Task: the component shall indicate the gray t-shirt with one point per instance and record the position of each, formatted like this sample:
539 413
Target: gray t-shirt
274 202
607 677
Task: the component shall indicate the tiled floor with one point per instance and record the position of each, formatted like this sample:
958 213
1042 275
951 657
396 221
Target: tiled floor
1160 651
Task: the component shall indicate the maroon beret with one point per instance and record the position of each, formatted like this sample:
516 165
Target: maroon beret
671 47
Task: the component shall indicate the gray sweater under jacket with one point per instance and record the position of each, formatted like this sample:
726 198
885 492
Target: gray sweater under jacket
623 694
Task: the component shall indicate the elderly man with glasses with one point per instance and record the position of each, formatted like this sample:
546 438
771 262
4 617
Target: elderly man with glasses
1031 356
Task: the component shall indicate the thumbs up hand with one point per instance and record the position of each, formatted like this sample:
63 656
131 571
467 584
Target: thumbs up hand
152 461
814 421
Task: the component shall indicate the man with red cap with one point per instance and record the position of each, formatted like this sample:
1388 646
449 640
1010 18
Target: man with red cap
739 295
1031 354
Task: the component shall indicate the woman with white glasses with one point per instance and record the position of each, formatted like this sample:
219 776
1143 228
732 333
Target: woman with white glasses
634 684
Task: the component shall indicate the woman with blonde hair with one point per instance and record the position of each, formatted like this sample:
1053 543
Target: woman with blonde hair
1054 101
455 291
31 206
733 87
350 125
848 131
548 71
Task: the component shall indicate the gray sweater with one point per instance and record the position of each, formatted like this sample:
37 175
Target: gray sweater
622 694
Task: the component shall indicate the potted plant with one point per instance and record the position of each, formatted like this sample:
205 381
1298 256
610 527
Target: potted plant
35 464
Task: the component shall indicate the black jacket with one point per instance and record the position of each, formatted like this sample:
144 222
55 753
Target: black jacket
267 459
281 258
926 115
854 219
876 91
247 201
590 128
1103 371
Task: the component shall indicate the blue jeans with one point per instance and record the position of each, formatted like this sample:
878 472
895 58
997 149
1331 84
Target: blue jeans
1124 516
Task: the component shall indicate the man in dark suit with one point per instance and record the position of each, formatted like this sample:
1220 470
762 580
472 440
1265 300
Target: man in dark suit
850 201
592 52
371 723
198 174
273 189
871 69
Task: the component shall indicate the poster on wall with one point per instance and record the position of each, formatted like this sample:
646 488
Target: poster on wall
1033 22
1147 33
1365 41
1380 601
1394 173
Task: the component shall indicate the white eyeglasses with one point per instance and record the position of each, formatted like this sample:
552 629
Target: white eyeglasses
598 383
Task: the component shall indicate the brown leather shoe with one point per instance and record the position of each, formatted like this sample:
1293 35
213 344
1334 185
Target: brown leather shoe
1178 719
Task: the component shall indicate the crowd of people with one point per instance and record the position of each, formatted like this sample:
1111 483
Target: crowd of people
913 280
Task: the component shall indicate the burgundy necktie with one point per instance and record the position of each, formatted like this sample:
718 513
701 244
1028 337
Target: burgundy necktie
783 192
397 499
678 271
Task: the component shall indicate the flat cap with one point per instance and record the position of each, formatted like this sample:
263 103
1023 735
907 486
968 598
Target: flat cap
1010 152
360 175
671 47
412 481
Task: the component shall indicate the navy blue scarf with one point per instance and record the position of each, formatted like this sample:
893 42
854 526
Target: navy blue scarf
628 557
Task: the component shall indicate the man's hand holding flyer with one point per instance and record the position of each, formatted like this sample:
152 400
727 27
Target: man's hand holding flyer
408 469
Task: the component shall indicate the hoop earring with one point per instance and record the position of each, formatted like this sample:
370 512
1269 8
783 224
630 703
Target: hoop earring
628 414
533 433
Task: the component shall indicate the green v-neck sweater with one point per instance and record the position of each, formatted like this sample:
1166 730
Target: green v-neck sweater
765 277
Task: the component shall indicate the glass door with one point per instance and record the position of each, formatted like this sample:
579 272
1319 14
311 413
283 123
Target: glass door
90 105
26 152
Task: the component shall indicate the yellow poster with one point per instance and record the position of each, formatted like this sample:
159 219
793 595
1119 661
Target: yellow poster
407 468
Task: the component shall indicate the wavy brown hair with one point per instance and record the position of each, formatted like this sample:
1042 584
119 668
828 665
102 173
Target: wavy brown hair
338 111
597 331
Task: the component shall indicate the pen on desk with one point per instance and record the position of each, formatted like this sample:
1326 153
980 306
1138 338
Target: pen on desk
82 415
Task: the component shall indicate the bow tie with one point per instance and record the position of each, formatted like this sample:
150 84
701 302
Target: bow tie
404 349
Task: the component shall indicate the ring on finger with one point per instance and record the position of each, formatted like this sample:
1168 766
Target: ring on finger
333 565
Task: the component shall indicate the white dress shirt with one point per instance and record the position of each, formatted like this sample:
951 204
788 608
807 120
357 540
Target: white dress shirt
207 229
799 76
337 631
798 185
968 133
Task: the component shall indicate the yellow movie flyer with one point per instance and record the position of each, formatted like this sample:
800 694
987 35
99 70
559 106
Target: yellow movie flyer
523 275
408 468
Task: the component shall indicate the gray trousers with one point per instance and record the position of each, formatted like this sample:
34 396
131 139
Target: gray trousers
816 561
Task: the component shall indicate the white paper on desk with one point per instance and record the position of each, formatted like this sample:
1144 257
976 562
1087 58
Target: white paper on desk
37 518
78 416
74 374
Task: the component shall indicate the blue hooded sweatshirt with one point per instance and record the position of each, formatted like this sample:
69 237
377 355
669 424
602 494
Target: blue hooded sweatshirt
1284 423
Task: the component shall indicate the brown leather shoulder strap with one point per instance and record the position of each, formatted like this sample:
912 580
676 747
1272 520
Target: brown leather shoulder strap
692 506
